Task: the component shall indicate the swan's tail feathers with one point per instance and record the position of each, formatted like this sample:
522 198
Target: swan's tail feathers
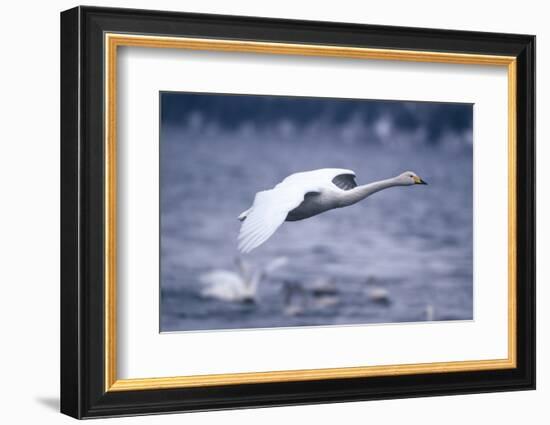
243 215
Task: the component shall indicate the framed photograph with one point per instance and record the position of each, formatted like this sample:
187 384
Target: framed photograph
261 212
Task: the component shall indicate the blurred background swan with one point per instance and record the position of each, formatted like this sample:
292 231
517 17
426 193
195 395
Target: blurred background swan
238 286
294 302
302 298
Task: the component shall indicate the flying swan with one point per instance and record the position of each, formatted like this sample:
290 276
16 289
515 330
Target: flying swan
303 195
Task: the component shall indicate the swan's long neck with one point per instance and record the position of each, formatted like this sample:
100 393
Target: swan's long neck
359 193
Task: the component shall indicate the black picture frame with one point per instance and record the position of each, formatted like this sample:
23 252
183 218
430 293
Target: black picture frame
83 392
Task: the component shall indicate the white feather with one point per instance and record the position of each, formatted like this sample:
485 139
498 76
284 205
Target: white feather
268 212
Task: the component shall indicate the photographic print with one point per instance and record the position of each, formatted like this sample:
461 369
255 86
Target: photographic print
280 211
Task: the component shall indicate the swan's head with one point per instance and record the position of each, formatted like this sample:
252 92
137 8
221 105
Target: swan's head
408 178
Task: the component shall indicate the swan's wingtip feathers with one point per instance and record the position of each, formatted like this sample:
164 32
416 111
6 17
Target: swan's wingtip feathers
247 244
251 238
244 247
268 211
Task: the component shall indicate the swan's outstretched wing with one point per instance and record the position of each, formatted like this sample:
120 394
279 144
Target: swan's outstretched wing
268 212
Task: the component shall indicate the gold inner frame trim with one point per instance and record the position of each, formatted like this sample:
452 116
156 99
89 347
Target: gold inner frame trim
113 41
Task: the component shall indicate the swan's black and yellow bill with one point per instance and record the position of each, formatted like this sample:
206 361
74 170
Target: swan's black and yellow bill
418 180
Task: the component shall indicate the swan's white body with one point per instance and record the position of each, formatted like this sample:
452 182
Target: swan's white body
240 286
303 195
